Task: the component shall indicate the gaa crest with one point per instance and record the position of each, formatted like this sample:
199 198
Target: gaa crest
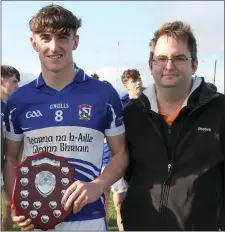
85 112
41 180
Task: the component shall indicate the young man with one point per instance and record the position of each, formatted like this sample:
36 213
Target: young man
131 80
66 105
10 78
176 139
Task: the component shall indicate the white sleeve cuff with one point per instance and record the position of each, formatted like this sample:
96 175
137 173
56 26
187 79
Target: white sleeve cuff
14 137
115 131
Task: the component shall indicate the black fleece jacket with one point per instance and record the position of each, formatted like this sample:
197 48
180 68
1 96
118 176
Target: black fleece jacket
176 173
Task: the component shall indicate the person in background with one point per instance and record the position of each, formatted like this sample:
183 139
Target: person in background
10 78
132 82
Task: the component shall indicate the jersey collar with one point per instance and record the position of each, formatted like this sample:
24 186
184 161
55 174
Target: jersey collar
80 77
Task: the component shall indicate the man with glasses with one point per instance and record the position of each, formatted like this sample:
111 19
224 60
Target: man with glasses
176 139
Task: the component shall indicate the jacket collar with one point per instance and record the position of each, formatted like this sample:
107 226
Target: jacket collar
200 94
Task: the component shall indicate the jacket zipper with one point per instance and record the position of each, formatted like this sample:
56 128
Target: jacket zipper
170 147
170 164
169 167
166 185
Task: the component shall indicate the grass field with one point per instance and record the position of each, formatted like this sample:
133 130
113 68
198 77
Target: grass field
112 226
112 216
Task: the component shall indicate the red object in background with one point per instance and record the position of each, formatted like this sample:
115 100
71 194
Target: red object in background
40 182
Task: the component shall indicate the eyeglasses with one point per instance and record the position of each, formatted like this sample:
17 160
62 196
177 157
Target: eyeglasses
177 60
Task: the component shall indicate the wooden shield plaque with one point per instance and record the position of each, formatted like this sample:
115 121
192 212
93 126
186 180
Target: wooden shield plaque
40 182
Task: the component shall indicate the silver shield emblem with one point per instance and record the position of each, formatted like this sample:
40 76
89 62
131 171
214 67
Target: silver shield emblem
24 204
64 170
44 218
53 204
33 213
24 170
24 181
37 204
24 193
65 181
56 213
45 183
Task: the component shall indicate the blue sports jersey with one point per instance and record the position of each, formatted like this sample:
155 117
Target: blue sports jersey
106 152
125 100
106 155
2 109
71 123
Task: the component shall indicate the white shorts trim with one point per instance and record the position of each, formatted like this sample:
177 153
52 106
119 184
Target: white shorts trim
2 181
120 186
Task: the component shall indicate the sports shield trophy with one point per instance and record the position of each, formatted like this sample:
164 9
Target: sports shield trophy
40 182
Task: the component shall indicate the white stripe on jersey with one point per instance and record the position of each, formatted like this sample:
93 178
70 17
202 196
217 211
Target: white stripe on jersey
117 131
10 121
11 135
85 166
113 123
85 174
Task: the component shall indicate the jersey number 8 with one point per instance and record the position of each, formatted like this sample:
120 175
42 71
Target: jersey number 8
58 115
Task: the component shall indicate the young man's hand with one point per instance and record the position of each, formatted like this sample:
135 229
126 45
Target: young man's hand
21 221
80 194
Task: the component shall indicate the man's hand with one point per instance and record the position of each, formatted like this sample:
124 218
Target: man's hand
80 194
21 221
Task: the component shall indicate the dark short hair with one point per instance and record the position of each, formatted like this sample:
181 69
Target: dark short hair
130 74
54 18
178 30
8 71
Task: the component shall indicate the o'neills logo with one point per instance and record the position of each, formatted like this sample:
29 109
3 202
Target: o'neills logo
59 106
204 129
